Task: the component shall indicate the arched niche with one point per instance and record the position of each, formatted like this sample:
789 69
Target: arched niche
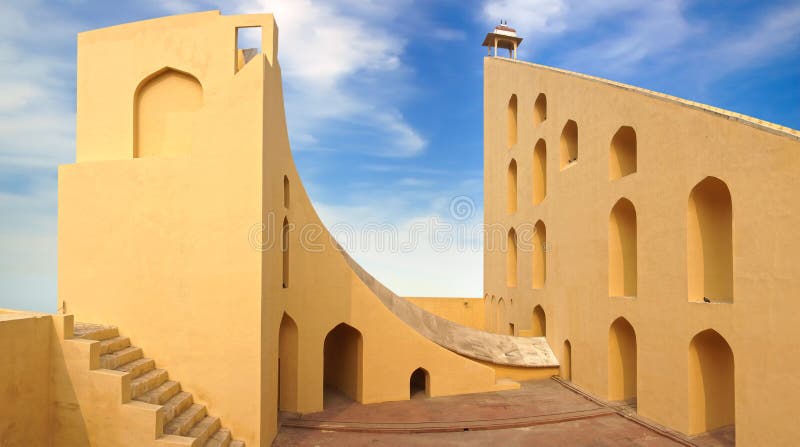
712 390
285 252
538 322
622 156
709 251
622 250
568 144
539 255
540 109
539 172
621 360
286 192
511 259
511 200
512 121
165 113
566 361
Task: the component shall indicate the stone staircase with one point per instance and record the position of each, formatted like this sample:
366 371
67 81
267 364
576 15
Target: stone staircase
152 385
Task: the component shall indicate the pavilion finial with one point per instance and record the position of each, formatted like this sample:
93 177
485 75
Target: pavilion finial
503 36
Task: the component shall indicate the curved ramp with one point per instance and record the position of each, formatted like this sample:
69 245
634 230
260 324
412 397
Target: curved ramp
529 352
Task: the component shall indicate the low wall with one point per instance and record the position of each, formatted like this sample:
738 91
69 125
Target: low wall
467 312
24 379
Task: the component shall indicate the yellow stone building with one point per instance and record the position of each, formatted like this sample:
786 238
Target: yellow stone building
184 227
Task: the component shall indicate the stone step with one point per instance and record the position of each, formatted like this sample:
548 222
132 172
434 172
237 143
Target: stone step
138 367
148 381
222 438
177 405
204 429
90 331
121 357
186 420
114 344
161 393
236 444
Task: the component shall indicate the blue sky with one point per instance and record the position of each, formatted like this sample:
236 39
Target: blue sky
384 103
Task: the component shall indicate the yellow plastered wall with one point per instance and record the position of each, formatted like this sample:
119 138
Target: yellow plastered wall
25 380
162 245
678 145
171 227
464 311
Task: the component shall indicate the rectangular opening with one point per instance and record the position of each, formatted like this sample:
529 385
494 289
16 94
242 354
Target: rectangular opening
248 45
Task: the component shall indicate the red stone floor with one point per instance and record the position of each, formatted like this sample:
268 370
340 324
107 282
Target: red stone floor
541 412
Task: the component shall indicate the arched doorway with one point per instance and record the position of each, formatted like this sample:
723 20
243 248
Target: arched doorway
287 364
538 322
712 391
419 384
566 361
621 360
342 364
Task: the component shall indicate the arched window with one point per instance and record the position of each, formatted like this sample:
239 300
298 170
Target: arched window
540 109
709 240
165 114
285 251
622 158
539 172
511 259
712 390
621 360
286 192
512 121
539 255
622 250
569 144
512 187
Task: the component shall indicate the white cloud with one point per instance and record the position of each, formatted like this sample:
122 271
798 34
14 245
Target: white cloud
411 243
342 64
36 134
